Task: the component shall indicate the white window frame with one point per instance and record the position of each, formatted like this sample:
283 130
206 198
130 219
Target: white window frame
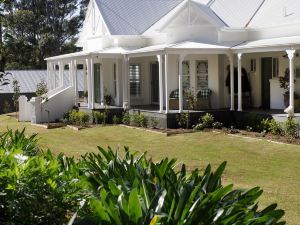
199 75
186 74
138 81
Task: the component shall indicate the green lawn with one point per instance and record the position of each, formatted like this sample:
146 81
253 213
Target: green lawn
274 167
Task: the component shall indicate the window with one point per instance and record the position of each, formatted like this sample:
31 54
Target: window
297 73
135 79
202 74
186 75
275 67
253 66
115 79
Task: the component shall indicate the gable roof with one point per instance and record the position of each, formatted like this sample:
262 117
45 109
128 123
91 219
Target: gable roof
133 17
236 13
277 13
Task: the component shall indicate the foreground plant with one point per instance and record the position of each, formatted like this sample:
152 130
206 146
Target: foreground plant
36 187
134 190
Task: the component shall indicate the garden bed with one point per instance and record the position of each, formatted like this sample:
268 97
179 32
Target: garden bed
50 125
269 137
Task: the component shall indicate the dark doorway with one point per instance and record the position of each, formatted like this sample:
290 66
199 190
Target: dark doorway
97 86
266 75
154 83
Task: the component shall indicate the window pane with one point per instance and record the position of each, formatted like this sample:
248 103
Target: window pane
135 79
202 74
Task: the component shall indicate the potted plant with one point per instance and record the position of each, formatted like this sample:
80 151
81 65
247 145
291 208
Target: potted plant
108 99
285 84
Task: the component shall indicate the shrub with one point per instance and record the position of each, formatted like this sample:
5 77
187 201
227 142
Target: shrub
292 128
183 120
249 129
135 190
153 122
36 187
265 125
275 127
6 107
99 117
138 120
126 118
199 126
135 119
116 119
217 125
78 118
142 120
207 120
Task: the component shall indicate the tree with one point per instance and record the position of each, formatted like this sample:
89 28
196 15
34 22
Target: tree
3 79
16 95
39 29
41 90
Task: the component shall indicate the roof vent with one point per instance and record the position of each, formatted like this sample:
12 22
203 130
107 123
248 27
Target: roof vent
285 13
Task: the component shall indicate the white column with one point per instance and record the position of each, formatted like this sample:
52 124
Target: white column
92 80
117 82
54 75
181 58
101 83
231 61
291 109
166 82
85 77
48 76
61 73
75 81
126 91
71 79
240 107
89 88
161 87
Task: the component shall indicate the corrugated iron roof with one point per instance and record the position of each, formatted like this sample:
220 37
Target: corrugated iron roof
277 13
133 17
28 80
236 13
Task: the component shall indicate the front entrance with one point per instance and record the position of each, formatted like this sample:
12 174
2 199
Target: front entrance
97 85
154 83
266 75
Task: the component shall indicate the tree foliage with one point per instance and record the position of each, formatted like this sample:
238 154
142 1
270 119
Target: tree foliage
39 29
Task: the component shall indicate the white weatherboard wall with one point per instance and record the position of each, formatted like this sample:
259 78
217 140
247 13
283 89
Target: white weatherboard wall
57 104
25 109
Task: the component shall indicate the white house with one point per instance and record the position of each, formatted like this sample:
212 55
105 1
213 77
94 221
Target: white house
139 51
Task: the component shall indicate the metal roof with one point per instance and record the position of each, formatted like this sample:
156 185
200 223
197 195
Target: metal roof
28 80
133 17
236 13
277 13
267 43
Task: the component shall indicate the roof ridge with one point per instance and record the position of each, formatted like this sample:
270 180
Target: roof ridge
208 5
247 24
